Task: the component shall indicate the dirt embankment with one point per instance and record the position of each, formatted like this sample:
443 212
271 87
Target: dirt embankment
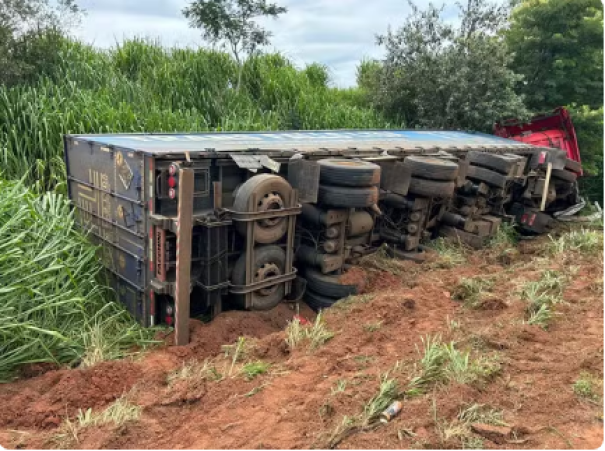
302 397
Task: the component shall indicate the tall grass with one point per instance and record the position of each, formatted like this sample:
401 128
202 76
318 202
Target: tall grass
140 86
52 308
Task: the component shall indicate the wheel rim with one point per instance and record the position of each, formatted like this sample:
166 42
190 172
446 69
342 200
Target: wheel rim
270 201
264 272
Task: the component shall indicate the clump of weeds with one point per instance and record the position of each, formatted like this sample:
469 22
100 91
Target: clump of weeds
588 387
576 240
313 336
542 296
473 291
451 253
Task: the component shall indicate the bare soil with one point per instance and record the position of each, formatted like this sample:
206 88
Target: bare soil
296 403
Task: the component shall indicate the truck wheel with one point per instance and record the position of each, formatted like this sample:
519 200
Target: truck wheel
562 174
573 166
272 193
431 188
269 261
345 197
328 285
487 176
317 301
346 172
431 168
499 163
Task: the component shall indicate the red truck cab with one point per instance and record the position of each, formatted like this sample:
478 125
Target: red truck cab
553 129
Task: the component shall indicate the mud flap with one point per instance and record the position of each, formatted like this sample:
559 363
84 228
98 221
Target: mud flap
303 175
395 178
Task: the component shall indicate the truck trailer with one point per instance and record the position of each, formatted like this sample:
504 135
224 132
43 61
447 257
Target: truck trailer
198 223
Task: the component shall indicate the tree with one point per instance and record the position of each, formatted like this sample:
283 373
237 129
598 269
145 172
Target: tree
30 34
558 48
441 75
231 22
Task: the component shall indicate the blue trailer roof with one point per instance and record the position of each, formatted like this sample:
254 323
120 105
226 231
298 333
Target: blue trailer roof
300 140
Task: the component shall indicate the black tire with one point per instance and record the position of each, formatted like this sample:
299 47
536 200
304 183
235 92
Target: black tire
573 166
348 172
563 188
487 176
563 174
328 285
269 297
431 188
317 301
273 189
431 168
345 197
499 163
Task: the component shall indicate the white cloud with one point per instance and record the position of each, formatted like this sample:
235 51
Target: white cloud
337 33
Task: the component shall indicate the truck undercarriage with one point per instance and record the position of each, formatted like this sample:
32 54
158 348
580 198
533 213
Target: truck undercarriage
192 224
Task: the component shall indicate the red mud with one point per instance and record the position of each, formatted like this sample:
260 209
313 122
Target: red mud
296 404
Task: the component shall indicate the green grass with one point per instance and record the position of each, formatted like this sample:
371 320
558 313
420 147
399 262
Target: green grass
506 236
195 372
444 362
481 413
312 336
252 369
472 290
141 86
576 240
542 296
53 305
451 254
118 413
588 387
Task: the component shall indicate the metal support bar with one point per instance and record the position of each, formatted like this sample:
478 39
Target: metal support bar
546 185
184 233
270 281
290 239
240 216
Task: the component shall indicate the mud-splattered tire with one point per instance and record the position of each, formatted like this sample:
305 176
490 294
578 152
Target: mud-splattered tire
487 176
572 165
348 172
563 174
328 285
317 301
431 188
431 168
272 193
499 163
345 197
268 261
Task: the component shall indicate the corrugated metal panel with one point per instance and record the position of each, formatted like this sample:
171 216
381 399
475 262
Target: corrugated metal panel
304 140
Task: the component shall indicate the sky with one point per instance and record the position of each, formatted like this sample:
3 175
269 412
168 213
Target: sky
337 33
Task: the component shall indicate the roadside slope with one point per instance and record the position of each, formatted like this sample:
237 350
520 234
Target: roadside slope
504 383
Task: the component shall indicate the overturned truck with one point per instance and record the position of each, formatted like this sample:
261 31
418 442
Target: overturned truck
197 223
